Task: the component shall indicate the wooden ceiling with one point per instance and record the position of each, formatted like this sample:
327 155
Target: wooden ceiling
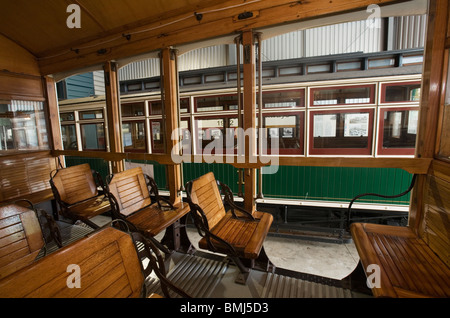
40 25
115 29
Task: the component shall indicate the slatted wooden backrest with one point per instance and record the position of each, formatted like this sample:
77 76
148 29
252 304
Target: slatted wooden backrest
75 184
20 238
130 190
108 267
205 193
25 175
435 227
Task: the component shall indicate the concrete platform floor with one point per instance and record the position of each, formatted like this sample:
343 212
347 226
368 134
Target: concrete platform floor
332 260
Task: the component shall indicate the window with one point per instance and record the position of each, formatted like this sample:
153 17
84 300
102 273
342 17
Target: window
397 131
344 95
155 107
400 92
341 132
67 116
91 114
288 129
133 109
93 136
69 137
216 103
133 135
22 125
216 133
284 99
381 62
157 132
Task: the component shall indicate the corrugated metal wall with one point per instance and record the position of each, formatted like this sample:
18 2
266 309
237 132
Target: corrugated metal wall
358 36
409 32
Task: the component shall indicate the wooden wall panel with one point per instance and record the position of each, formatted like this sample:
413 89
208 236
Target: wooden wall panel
26 176
435 229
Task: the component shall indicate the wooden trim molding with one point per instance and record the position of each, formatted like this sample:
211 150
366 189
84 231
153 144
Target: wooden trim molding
411 165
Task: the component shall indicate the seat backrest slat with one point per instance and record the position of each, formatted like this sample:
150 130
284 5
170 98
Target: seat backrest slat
108 266
206 194
75 184
130 189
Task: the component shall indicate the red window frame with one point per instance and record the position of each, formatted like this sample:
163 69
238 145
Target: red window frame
300 132
371 95
342 151
385 85
199 148
301 95
392 151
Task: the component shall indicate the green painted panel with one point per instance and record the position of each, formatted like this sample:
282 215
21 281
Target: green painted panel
99 165
223 172
337 184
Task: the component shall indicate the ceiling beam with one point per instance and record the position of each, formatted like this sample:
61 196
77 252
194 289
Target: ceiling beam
231 17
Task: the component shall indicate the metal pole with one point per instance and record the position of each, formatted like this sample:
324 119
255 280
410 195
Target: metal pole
238 40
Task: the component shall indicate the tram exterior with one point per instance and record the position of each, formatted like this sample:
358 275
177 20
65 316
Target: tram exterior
353 105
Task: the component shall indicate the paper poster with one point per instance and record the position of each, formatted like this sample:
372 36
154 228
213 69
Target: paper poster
325 125
356 125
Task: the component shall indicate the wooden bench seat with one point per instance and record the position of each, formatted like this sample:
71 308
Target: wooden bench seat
408 266
109 267
411 264
237 233
108 263
21 238
131 193
77 194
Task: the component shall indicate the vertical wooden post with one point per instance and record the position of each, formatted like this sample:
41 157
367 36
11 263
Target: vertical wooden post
430 101
169 74
113 110
249 117
53 114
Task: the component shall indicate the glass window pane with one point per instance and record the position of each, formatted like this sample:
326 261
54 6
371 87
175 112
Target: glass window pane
217 134
69 137
216 103
400 128
282 99
341 132
133 134
157 136
133 109
284 132
91 114
343 95
401 92
93 136
155 108
22 125
67 116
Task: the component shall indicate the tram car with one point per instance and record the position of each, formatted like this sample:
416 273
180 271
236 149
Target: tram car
370 112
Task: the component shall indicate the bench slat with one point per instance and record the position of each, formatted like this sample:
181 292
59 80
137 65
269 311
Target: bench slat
408 266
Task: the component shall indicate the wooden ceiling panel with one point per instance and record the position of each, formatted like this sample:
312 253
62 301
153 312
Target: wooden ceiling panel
40 26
